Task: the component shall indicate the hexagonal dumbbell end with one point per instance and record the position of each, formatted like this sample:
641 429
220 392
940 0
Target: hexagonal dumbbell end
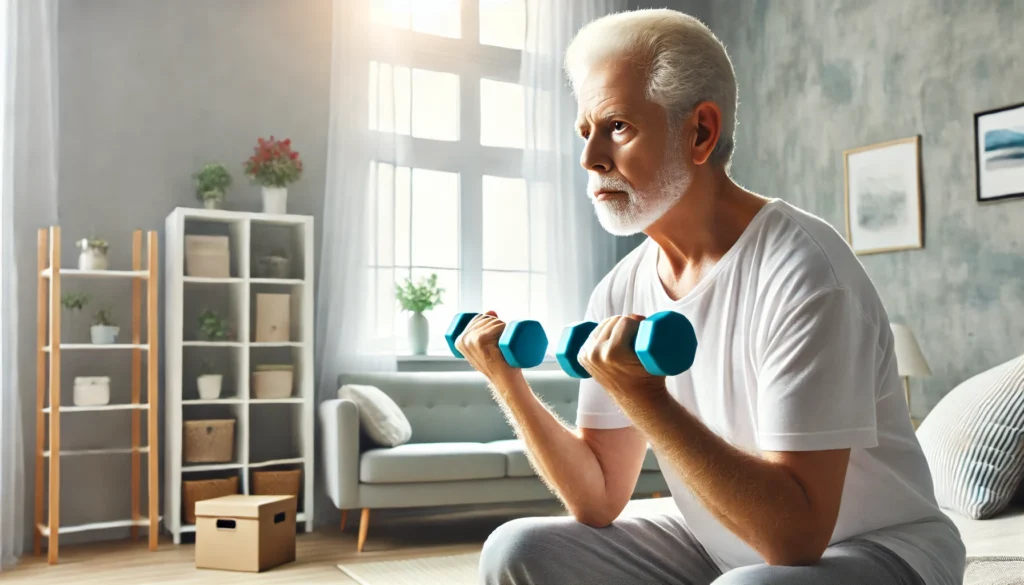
523 343
573 337
666 343
459 323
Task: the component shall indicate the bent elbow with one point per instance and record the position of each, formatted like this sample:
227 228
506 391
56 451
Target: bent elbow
593 520
798 553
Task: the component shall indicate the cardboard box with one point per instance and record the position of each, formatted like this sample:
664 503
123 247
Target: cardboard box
245 533
273 317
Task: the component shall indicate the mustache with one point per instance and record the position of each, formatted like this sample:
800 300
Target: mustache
600 183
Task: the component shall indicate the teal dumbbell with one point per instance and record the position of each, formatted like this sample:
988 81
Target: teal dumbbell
665 344
523 343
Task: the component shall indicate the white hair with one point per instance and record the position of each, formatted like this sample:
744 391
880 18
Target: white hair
685 63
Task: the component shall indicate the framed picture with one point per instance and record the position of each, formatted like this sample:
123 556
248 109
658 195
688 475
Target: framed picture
999 153
883 196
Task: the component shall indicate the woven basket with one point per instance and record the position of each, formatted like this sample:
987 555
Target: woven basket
209 441
277 483
204 489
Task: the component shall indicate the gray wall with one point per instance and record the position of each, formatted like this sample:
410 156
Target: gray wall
816 78
149 90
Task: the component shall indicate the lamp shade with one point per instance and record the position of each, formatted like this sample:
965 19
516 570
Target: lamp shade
909 359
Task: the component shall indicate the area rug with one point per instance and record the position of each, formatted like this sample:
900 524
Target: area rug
992 571
450 570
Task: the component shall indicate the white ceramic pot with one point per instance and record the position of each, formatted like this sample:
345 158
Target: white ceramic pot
209 386
211 203
92 390
419 333
275 200
104 334
92 259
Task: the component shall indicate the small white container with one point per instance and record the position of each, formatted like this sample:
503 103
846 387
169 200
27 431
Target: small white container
92 390
92 259
209 386
104 334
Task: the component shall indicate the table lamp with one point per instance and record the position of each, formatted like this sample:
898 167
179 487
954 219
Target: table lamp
909 359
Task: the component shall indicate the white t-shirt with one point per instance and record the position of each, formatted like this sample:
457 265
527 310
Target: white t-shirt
794 353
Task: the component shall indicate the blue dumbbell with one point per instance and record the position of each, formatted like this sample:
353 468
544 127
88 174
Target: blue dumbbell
523 343
665 344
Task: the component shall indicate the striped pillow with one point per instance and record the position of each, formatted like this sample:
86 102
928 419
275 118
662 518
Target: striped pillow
974 442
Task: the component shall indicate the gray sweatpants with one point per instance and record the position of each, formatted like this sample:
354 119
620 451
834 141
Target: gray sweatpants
660 550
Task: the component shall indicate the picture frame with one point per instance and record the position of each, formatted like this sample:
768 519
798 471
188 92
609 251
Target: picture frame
999 153
884 197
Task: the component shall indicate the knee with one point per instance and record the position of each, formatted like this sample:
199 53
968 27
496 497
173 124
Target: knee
752 575
518 552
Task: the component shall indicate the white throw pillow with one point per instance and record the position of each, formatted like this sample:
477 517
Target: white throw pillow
382 419
974 442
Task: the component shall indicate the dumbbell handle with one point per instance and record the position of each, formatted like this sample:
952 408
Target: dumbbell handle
522 343
665 344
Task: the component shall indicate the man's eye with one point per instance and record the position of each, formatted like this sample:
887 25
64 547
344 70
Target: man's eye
618 126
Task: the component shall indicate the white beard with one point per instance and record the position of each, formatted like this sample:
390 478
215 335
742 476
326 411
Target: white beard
625 216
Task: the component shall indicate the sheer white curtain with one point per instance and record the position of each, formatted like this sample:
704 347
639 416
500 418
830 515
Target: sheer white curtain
579 251
28 192
348 335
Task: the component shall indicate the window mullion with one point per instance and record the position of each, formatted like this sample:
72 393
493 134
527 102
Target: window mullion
470 195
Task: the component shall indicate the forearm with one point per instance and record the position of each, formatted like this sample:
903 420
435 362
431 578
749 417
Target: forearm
760 502
559 454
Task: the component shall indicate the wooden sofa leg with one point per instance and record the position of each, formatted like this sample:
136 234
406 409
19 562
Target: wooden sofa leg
364 525
344 517
656 495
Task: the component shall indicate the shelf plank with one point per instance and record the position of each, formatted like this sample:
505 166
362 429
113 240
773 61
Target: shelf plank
300 517
277 462
215 401
99 346
275 344
75 273
276 400
119 451
212 343
45 530
191 467
99 407
214 280
291 281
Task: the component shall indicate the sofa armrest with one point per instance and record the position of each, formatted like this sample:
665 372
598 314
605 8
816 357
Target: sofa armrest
340 431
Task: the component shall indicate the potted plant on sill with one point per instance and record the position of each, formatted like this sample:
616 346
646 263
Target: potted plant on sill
213 327
209 383
103 331
417 298
93 253
212 182
274 165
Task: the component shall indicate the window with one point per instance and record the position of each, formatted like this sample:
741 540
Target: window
451 199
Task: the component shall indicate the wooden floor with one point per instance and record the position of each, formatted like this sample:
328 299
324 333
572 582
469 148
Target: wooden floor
318 554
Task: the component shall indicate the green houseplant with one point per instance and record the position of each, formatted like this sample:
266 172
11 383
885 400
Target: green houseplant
417 298
92 253
212 182
274 166
104 330
213 327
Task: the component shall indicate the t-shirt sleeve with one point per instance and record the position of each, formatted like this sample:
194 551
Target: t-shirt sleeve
817 377
596 409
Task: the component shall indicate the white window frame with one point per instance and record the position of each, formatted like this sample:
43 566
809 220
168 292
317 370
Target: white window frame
471 161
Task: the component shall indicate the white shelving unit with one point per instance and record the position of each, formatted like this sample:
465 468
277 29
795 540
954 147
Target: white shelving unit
270 433
49 408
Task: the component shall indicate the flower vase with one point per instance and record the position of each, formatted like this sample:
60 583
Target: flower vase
275 200
419 333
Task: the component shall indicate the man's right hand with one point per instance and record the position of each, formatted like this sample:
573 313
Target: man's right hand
479 344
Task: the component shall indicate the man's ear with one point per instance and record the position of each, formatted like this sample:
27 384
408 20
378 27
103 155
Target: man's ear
706 122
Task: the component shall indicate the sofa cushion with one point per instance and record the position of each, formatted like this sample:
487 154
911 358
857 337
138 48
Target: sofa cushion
431 462
379 416
519 464
516 464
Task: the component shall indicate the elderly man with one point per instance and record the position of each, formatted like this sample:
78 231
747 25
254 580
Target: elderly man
788 445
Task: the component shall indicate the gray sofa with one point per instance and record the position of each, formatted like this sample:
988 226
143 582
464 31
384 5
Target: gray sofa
462 449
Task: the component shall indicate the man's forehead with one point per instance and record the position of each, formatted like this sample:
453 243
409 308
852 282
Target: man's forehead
613 85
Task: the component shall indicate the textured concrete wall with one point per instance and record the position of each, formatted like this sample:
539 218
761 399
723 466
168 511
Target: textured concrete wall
816 78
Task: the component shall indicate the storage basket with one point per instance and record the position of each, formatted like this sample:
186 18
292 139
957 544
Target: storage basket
272 382
209 441
277 483
207 256
92 390
204 489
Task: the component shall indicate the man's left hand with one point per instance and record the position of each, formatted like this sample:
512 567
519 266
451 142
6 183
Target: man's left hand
609 357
